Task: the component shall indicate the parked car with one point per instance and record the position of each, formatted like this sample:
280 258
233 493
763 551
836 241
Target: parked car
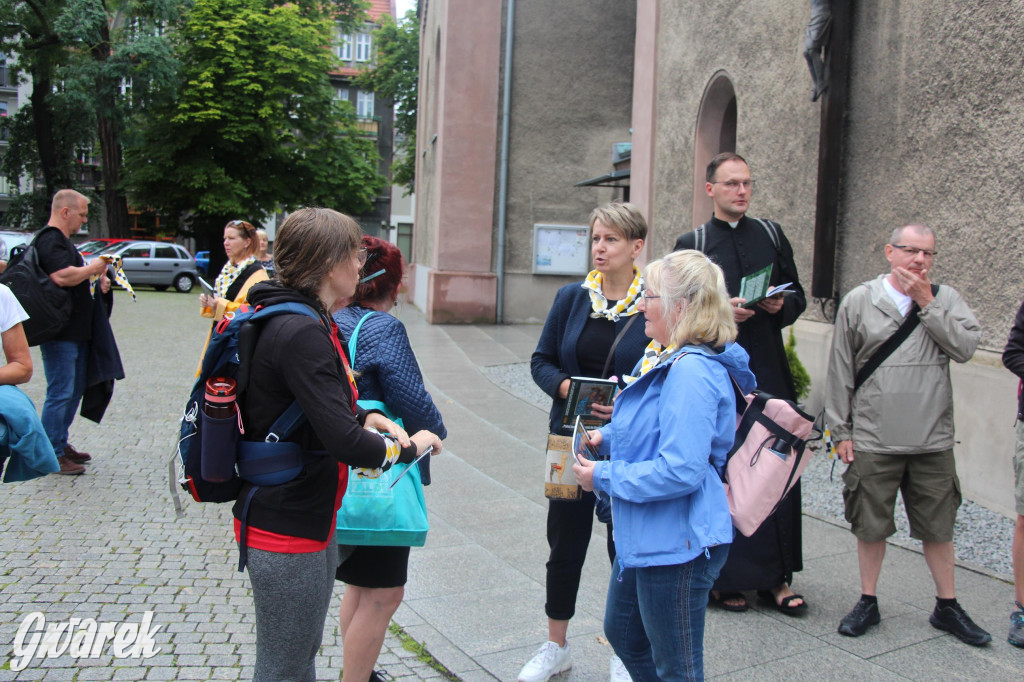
9 239
157 264
93 245
202 262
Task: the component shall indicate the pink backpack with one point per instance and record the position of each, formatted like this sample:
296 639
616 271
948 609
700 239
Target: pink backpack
767 457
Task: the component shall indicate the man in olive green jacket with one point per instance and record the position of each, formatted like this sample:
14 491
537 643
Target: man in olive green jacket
895 432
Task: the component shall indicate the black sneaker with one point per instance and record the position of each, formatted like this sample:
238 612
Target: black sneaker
954 619
1016 636
856 622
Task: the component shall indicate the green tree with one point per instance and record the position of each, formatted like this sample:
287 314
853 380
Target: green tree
45 133
252 127
395 75
84 59
123 55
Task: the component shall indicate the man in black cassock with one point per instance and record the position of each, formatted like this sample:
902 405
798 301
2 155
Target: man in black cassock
741 246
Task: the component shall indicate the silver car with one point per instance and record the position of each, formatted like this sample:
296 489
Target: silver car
9 239
158 264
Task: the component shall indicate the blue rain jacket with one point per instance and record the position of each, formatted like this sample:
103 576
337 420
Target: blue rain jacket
668 438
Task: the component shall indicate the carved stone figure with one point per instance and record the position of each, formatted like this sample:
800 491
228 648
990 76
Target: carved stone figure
815 40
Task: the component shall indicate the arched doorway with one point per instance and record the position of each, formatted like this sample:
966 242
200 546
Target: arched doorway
716 133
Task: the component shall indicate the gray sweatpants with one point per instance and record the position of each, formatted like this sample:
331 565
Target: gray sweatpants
292 593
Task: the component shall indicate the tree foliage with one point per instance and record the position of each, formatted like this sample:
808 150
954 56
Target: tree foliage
235 91
252 127
44 134
79 55
395 75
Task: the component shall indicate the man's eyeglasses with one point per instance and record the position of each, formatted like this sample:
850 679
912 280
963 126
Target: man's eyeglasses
913 250
733 185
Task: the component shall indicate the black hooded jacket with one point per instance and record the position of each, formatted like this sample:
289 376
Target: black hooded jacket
295 359
1013 355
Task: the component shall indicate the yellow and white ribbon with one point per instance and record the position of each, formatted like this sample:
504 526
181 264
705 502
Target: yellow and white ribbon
119 277
826 434
653 355
394 452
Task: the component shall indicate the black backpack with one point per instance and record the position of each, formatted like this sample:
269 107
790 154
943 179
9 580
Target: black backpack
272 462
49 306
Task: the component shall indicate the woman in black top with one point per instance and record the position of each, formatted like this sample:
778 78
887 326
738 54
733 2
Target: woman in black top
289 535
577 340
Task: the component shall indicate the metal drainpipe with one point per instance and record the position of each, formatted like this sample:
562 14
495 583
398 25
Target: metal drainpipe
503 177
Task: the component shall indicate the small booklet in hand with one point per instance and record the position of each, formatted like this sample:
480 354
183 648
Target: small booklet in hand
207 287
581 443
584 392
755 287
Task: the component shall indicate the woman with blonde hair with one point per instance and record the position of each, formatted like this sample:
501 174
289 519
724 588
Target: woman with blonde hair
671 430
595 328
288 538
262 257
239 273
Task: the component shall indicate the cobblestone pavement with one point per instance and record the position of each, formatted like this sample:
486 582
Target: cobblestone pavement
107 545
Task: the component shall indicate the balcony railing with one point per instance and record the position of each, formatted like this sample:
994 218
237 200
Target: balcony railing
368 126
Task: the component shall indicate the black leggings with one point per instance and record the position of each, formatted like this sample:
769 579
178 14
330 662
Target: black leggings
570 524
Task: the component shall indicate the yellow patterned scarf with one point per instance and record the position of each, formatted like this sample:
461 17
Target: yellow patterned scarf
228 274
653 355
623 308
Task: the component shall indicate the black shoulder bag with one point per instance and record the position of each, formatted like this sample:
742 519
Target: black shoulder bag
48 306
891 344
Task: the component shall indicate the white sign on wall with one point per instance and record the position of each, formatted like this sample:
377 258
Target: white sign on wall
561 250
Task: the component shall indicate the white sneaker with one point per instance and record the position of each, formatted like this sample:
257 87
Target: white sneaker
617 670
548 660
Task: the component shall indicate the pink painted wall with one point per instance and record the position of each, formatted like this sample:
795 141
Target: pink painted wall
457 170
645 89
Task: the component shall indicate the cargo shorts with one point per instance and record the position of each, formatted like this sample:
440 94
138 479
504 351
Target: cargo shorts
927 481
1018 469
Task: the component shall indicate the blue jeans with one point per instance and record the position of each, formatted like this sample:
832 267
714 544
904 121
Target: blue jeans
654 617
65 364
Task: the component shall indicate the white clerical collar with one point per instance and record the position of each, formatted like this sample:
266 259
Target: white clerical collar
733 225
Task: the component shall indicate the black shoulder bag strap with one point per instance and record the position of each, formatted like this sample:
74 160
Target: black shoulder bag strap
773 233
700 239
891 344
615 344
240 279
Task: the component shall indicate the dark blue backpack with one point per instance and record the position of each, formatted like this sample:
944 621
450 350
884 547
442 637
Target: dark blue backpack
271 462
